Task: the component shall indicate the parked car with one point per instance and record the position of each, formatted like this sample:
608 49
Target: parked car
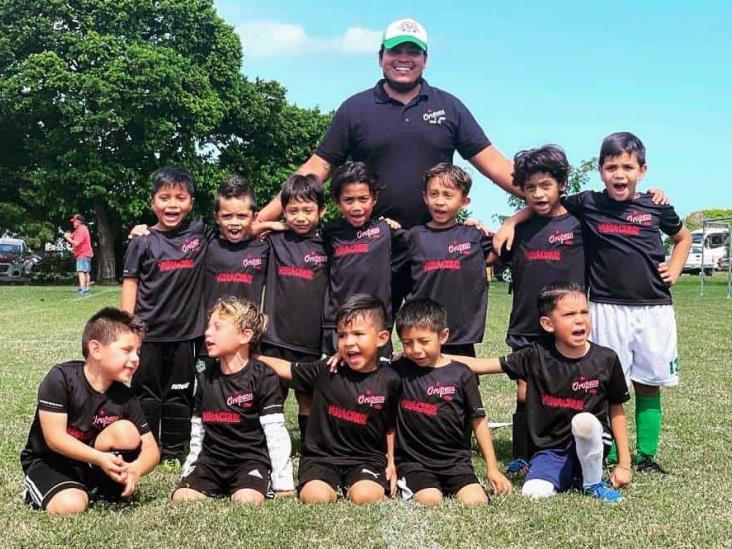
694 262
723 264
16 260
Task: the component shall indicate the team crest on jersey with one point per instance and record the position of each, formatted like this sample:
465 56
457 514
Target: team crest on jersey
101 419
372 233
240 399
192 245
445 392
589 386
434 117
375 401
252 262
315 259
460 248
639 218
563 239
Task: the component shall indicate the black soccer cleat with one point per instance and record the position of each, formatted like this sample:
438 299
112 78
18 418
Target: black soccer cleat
646 464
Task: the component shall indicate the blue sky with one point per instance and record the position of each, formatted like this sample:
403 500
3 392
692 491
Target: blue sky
531 73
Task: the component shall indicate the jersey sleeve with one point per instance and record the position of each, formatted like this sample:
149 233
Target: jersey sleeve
134 256
270 398
53 392
517 365
617 388
473 403
575 203
305 375
336 143
135 414
486 243
470 138
395 390
670 221
399 249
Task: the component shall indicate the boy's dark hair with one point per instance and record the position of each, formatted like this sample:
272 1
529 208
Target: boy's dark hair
549 159
421 313
174 176
353 172
361 305
550 295
107 325
618 143
303 188
235 187
450 175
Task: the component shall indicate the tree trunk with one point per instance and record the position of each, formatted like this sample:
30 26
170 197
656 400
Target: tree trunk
106 267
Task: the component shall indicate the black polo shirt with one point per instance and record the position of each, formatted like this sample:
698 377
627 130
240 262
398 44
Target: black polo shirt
400 142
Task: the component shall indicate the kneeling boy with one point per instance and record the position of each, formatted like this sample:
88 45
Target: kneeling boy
349 443
238 435
89 436
574 400
439 407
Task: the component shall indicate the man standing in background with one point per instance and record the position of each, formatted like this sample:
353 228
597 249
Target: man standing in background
80 241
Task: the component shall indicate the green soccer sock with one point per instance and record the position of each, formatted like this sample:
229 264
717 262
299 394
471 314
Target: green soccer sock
612 455
647 424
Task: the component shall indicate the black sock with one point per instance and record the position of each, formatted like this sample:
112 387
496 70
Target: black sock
302 421
520 432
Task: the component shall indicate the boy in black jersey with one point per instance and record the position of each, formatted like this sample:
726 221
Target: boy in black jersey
163 277
236 262
349 444
448 259
629 280
238 435
547 248
439 407
89 435
362 252
574 399
297 276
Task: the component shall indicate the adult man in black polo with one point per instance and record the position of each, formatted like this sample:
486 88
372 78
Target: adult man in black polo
400 128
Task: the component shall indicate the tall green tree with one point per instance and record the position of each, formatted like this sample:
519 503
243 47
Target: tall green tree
96 94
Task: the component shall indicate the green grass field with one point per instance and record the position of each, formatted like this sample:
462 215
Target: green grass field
40 326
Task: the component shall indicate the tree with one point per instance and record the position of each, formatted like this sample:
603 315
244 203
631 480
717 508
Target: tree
693 221
96 94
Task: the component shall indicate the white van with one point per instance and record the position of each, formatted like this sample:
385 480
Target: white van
712 243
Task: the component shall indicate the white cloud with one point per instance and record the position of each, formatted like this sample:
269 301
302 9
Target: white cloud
276 39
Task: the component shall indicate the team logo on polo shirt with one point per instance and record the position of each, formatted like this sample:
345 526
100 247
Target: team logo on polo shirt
639 218
315 259
191 245
445 392
375 401
434 117
101 419
372 233
461 248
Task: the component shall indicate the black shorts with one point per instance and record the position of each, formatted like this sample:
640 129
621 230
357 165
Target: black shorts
413 478
340 477
464 349
518 342
44 478
215 479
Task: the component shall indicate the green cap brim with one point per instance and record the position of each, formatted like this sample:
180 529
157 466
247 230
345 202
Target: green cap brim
394 41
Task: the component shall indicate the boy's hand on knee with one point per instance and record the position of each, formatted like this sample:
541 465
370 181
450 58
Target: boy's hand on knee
621 476
131 479
499 483
391 476
113 466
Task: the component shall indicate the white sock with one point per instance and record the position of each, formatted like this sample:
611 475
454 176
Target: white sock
537 488
587 432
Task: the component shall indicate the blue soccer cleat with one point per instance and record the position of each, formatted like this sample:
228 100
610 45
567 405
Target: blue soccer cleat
604 492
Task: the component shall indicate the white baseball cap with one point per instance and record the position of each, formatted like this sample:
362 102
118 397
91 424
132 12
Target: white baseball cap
405 30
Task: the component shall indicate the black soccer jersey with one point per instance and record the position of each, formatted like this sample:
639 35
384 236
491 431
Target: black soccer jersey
234 269
623 247
448 266
297 277
559 387
169 268
361 261
65 390
545 249
230 406
351 412
434 419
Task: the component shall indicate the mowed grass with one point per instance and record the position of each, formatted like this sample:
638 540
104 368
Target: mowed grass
42 326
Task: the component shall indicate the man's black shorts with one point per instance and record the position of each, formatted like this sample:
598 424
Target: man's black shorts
46 478
340 477
414 478
214 479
